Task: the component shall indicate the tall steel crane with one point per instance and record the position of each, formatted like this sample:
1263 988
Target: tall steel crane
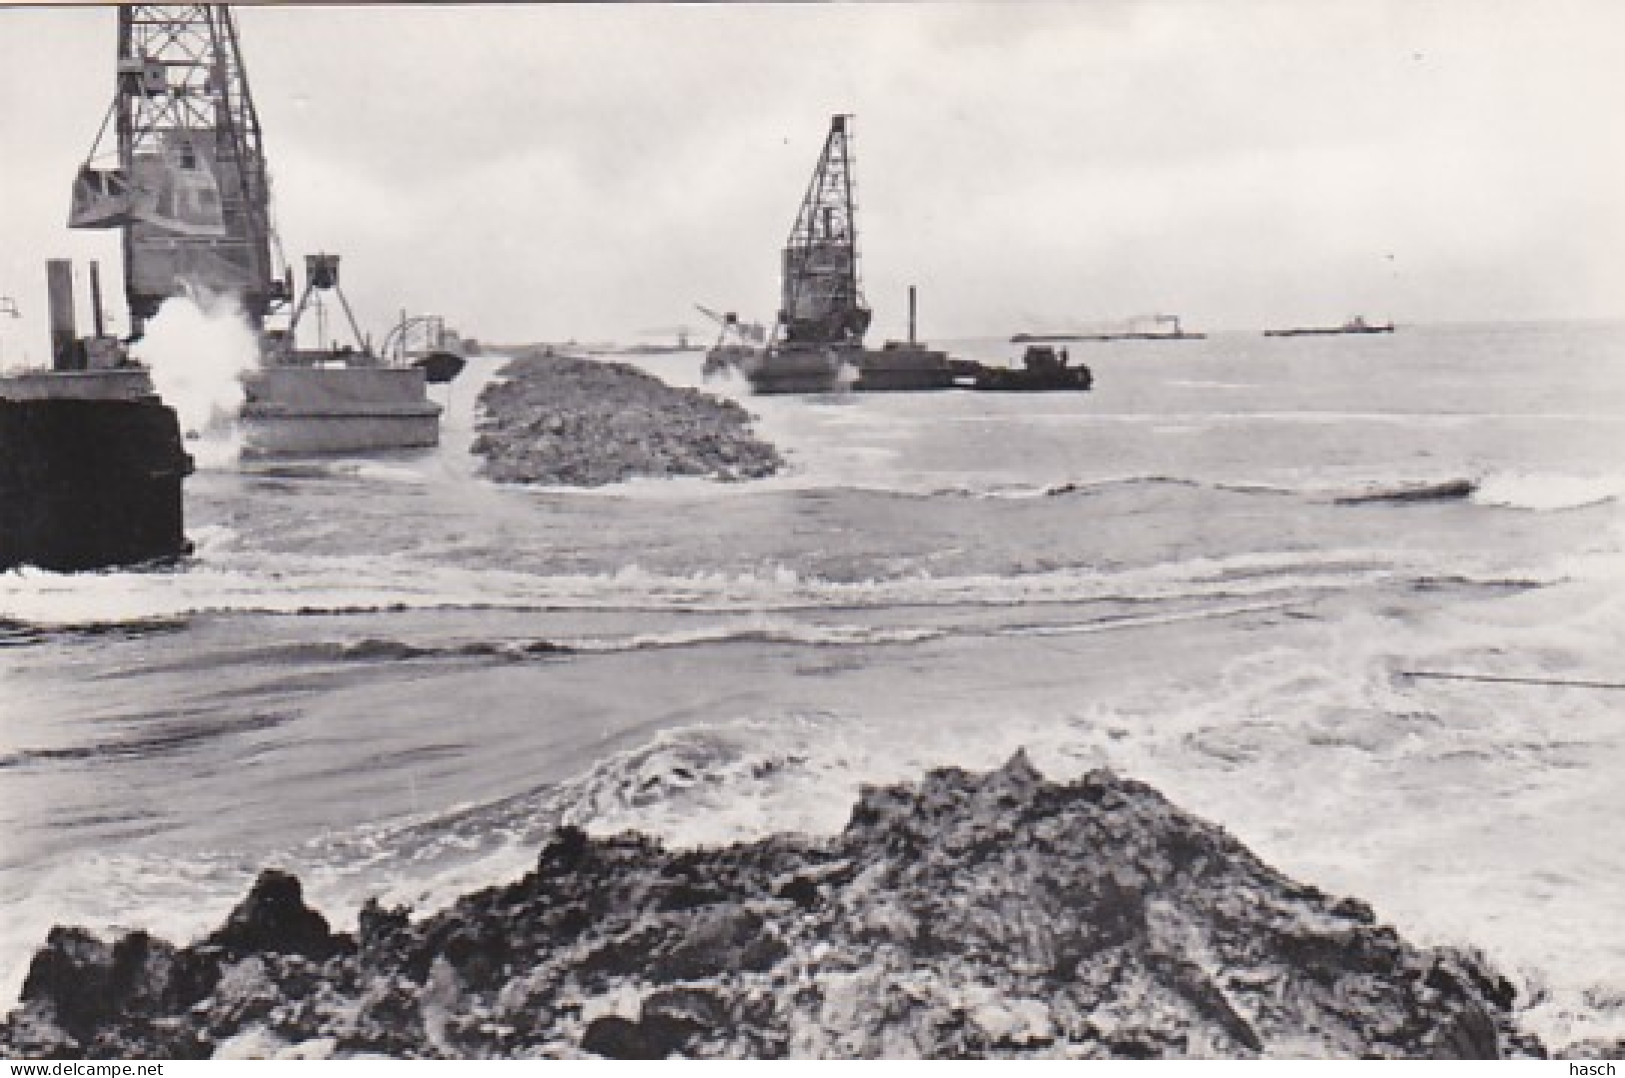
183 174
822 299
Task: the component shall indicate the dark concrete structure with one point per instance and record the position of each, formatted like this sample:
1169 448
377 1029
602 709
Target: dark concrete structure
88 483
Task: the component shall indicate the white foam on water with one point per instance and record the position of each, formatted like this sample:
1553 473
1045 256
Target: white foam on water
1465 814
198 348
1547 493
109 892
240 581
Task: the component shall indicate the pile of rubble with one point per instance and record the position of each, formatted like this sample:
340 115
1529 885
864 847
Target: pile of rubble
563 421
967 915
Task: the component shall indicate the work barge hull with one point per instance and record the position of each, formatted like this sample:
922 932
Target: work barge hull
895 368
287 411
292 411
908 368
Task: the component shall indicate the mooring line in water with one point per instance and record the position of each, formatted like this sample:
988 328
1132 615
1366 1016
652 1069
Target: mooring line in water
1504 679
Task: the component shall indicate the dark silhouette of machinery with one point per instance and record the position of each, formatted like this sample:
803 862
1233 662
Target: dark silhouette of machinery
822 299
1042 369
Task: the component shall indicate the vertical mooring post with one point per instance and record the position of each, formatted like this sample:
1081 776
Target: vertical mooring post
96 298
65 354
910 314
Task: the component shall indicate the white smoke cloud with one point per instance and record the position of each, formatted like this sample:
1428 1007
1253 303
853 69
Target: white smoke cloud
198 348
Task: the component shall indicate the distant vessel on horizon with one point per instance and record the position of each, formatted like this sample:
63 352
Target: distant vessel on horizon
1357 324
1133 332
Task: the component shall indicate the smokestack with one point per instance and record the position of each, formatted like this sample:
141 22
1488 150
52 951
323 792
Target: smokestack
65 354
910 314
96 297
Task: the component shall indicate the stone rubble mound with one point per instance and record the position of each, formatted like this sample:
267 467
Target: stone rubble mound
563 421
966 915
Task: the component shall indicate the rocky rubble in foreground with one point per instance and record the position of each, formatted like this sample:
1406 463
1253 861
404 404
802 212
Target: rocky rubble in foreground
563 421
966 915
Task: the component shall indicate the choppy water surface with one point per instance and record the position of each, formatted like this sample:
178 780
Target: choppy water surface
395 679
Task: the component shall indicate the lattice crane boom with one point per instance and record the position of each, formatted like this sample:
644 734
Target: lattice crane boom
822 297
187 179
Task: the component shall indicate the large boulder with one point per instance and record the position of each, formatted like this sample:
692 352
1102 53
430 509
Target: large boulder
274 917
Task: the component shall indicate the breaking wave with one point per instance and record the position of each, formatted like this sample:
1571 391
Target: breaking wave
1316 490
375 649
316 584
1548 493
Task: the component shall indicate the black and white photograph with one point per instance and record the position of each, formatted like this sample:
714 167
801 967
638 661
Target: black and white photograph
829 531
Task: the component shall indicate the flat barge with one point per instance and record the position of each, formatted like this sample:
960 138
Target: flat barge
1072 338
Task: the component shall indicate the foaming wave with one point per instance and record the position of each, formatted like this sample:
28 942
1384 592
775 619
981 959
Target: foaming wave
1464 812
708 782
744 779
313 584
761 631
375 649
1547 493
1320 724
110 891
199 347
715 783
734 778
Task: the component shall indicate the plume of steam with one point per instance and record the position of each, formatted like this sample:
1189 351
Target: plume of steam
199 347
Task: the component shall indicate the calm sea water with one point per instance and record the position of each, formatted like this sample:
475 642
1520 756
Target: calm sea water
358 677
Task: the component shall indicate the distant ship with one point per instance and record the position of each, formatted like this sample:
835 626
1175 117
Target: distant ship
1134 331
1353 325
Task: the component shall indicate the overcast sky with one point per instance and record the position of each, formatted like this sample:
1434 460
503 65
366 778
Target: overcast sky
549 172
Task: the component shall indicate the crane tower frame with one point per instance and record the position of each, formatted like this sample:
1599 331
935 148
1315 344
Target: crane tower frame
189 186
822 299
